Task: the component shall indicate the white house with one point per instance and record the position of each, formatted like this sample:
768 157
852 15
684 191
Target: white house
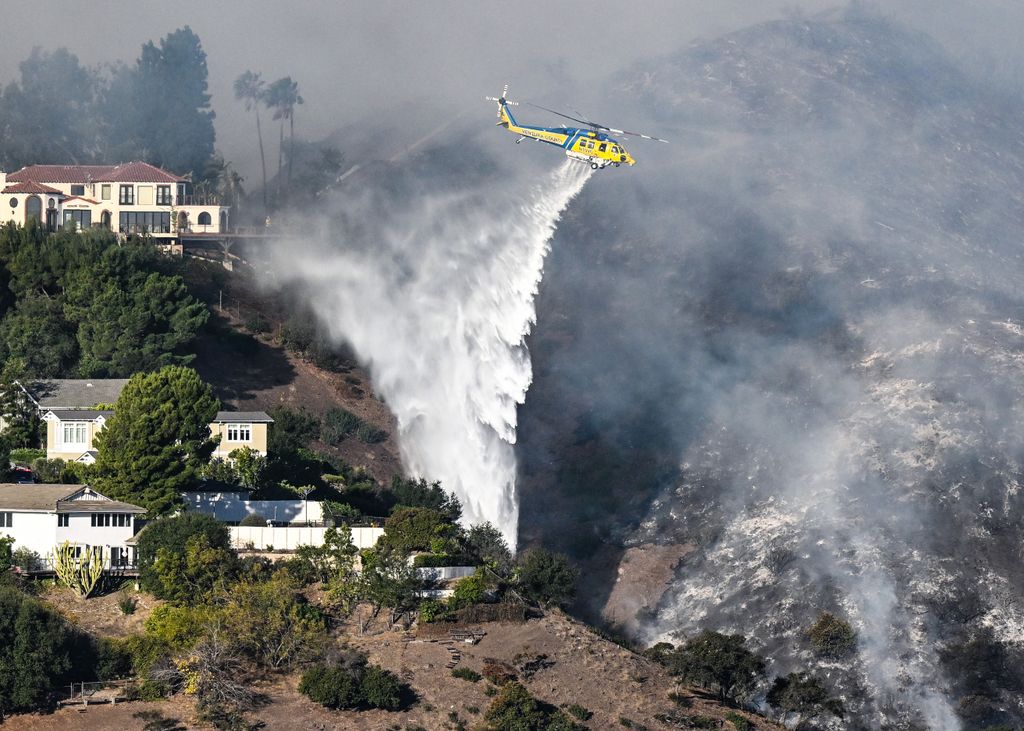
42 517
126 198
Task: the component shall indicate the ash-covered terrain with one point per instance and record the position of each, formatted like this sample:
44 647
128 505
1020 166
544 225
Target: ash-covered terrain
795 340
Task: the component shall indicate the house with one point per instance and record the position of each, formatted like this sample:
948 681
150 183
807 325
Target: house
127 198
76 410
42 517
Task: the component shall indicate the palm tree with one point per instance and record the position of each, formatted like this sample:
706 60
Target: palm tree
283 96
251 89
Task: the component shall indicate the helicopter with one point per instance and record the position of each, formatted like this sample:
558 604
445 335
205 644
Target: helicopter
591 144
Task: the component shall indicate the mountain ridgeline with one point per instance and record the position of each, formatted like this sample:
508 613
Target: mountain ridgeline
795 340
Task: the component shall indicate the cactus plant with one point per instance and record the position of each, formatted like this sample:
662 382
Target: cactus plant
79 573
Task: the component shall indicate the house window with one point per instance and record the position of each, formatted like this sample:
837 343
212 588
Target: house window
63 520
105 192
163 195
204 219
108 520
82 219
75 433
239 432
14 202
77 190
5 520
181 194
157 222
127 195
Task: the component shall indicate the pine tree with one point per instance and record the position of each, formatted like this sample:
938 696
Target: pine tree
158 438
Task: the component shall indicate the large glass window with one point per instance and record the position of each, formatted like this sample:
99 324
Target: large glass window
75 433
157 222
127 195
239 432
82 219
77 190
163 195
63 520
6 519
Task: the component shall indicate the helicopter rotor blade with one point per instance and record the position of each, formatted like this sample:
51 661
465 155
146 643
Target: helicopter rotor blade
574 119
633 134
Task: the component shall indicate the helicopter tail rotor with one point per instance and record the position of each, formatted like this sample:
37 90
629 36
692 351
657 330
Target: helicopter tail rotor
503 104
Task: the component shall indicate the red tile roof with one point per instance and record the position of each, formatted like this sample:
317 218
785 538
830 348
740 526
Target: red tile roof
128 172
139 172
77 174
29 187
80 198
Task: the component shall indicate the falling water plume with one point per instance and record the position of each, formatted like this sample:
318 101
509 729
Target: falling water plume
436 295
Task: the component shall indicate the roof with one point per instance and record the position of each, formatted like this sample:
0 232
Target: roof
30 187
55 498
60 173
139 172
80 414
127 172
80 198
243 416
75 393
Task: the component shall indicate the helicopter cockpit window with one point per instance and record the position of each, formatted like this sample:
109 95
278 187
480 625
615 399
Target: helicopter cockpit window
603 147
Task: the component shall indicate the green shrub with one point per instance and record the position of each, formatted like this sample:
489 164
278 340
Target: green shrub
127 604
380 689
254 520
48 471
432 610
514 708
832 637
25 456
113 659
740 723
466 674
26 559
579 712
467 591
291 430
338 424
172 535
369 434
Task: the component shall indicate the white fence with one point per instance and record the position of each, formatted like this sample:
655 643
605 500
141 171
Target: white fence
231 509
289 538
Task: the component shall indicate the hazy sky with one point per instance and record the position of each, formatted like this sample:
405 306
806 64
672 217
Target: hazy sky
354 58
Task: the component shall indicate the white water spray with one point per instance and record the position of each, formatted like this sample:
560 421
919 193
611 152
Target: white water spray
436 296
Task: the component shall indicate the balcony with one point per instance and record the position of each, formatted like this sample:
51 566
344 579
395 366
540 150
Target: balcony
200 199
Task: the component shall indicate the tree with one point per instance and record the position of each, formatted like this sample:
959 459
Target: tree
803 695
388 581
154 445
172 534
719 662
17 411
832 637
36 648
176 71
469 590
193 575
292 430
514 709
418 493
37 334
415 529
283 96
251 90
249 465
545 577
271 621
487 545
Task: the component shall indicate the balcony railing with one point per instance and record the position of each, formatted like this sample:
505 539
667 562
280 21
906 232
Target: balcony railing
200 199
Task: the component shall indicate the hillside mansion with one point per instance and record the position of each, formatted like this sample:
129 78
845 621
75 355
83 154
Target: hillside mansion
128 198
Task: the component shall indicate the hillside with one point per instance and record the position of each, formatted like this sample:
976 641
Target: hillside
794 341
608 680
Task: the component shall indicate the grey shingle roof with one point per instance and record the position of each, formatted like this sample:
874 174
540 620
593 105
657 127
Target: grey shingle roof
53 498
75 393
243 416
80 414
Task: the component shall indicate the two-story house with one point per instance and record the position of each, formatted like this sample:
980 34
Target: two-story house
76 410
42 517
127 198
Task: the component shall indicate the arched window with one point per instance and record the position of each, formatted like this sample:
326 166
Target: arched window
182 221
223 221
33 208
204 219
105 220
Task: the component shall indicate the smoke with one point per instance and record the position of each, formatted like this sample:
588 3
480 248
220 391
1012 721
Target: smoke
435 292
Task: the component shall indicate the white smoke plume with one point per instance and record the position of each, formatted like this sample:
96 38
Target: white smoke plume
435 293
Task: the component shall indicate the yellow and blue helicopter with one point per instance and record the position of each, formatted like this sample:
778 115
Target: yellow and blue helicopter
591 145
